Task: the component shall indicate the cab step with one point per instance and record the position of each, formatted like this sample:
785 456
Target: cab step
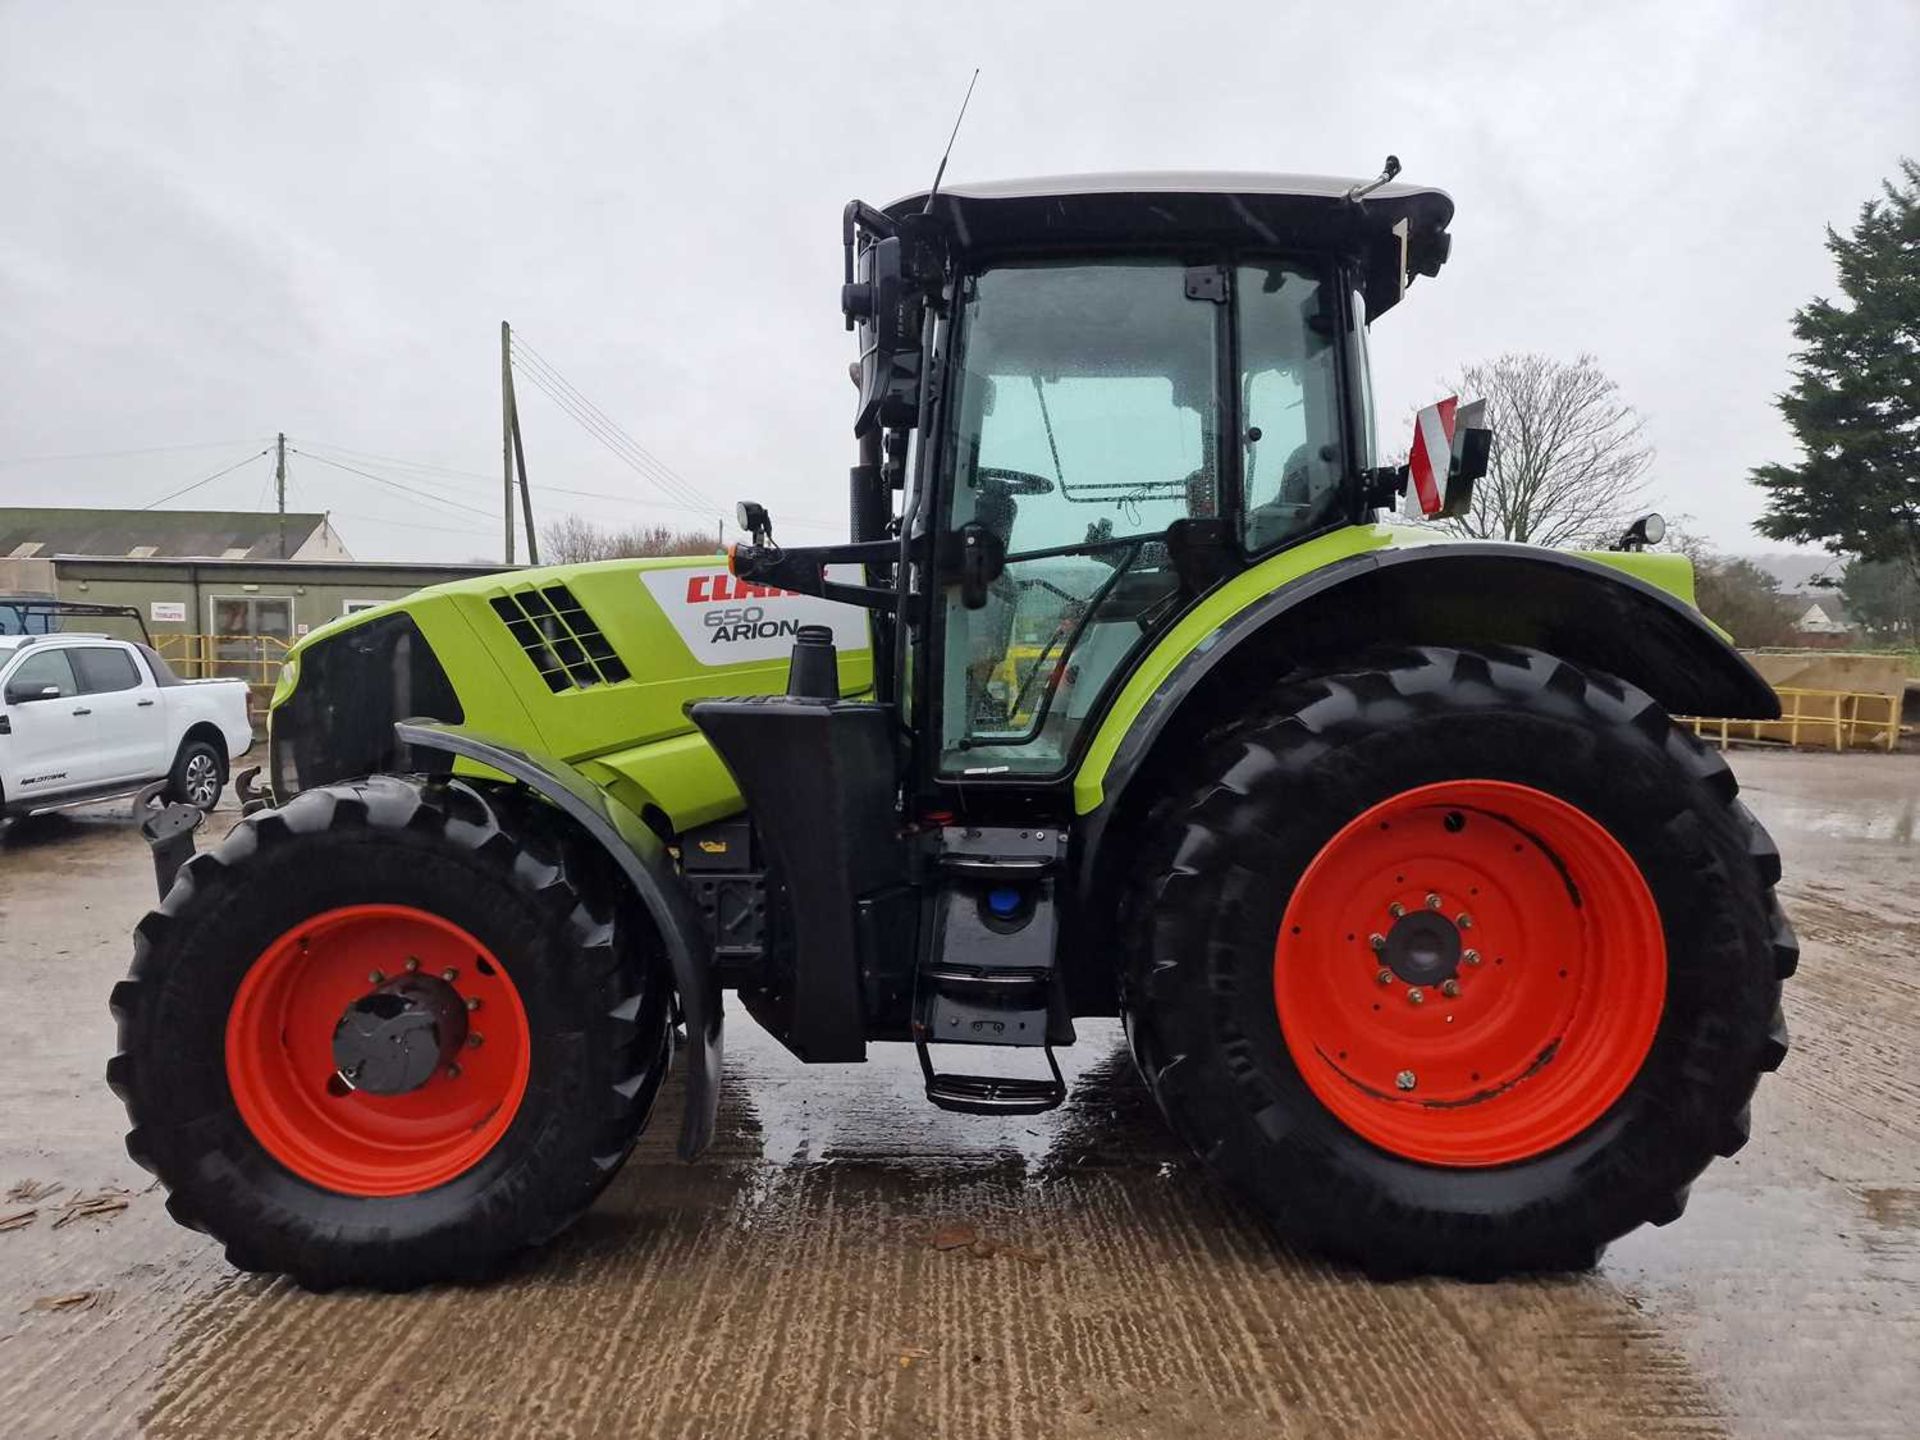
988 976
993 1094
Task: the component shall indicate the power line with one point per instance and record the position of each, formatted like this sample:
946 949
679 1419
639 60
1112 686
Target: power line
206 480
403 464
610 437
569 397
412 524
394 484
116 454
666 471
315 449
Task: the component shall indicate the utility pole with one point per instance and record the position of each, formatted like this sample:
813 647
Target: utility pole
280 487
506 429
515 452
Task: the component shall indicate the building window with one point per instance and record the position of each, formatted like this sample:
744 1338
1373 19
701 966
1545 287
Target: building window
354 607
250 634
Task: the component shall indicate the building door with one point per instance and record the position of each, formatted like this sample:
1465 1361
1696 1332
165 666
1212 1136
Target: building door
250 635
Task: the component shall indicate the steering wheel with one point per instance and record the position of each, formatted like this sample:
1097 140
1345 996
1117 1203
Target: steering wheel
1013 482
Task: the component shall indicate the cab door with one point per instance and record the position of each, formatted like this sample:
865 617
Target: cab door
129 725
1085 424
50 734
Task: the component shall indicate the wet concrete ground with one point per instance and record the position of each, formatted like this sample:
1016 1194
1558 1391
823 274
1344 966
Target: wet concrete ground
788 1285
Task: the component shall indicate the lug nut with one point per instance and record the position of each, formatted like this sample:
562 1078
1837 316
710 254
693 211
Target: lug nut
375 977
1416 996
1472 957
449 975
1450 988
453 1072
1385 977
473 1002
1378 942
475 1040
1433 901
1465 922
413 963
1396 909
1405 1080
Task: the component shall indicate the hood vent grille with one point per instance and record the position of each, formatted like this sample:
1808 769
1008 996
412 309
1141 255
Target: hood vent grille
566 647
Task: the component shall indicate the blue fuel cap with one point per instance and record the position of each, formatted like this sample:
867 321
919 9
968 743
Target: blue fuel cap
1003 900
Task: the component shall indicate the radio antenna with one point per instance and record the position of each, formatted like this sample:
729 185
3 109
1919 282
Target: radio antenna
940 174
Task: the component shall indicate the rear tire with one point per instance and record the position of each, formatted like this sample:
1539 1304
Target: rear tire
198 776
594 1010
1207 971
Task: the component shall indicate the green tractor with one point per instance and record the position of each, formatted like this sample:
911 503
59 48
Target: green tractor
1432 933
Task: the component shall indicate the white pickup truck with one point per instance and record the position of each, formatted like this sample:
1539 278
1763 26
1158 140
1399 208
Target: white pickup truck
85 717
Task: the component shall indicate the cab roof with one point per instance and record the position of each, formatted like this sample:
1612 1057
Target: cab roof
1157 207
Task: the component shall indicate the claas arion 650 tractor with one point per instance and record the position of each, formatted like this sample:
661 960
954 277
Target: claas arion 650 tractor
1432 933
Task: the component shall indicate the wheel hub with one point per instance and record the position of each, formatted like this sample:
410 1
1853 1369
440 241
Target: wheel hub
1469 972
1423 948
395 1039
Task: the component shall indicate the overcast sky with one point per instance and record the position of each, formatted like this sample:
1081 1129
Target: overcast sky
222 220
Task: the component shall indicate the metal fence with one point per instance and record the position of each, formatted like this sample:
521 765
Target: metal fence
1831 719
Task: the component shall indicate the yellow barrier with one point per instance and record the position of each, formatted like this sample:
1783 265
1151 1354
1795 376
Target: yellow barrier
1807 717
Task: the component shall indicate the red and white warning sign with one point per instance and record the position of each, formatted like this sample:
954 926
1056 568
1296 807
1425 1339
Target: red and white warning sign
1431 457
725 620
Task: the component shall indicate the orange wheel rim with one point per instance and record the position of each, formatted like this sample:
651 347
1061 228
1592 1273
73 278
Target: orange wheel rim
283 1076
1470 973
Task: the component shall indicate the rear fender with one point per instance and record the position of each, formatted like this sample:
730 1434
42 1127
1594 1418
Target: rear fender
642 859
1463 594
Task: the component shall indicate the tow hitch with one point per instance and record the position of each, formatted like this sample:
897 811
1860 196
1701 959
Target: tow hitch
169 831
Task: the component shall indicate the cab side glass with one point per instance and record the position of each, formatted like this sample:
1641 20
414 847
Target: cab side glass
1293 459
46 676
103 669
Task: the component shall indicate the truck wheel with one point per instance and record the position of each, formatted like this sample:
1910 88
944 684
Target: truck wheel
378 1038
1466 963
199 774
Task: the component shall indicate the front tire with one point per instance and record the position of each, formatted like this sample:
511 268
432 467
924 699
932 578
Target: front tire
557 1007
1464 963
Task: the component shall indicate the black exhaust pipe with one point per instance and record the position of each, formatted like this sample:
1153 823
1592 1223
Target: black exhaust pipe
813 672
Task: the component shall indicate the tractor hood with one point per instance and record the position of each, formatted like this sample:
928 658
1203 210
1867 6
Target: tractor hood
1149 208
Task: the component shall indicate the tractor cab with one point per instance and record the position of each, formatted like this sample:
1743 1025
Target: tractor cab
1084 403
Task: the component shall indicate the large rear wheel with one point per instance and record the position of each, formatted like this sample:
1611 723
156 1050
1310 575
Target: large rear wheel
1465 963
391 1033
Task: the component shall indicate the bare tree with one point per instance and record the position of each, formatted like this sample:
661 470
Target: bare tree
572 539
1569 458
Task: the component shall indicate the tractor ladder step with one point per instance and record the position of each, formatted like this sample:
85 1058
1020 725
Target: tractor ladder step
993 1094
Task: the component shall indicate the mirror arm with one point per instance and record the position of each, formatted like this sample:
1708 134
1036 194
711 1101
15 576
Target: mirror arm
1382 488
803 570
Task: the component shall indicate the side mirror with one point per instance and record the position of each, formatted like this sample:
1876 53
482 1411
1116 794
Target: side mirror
1451 448
886 312
26 694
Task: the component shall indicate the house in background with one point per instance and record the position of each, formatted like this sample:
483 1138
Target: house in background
211 584
1823 621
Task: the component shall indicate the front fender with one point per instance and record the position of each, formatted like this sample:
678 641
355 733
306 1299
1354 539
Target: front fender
642 859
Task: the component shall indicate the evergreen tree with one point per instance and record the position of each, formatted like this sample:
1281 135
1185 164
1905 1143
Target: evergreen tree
1855 401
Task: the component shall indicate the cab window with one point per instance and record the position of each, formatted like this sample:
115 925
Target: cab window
1292 463
103 669
38 673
